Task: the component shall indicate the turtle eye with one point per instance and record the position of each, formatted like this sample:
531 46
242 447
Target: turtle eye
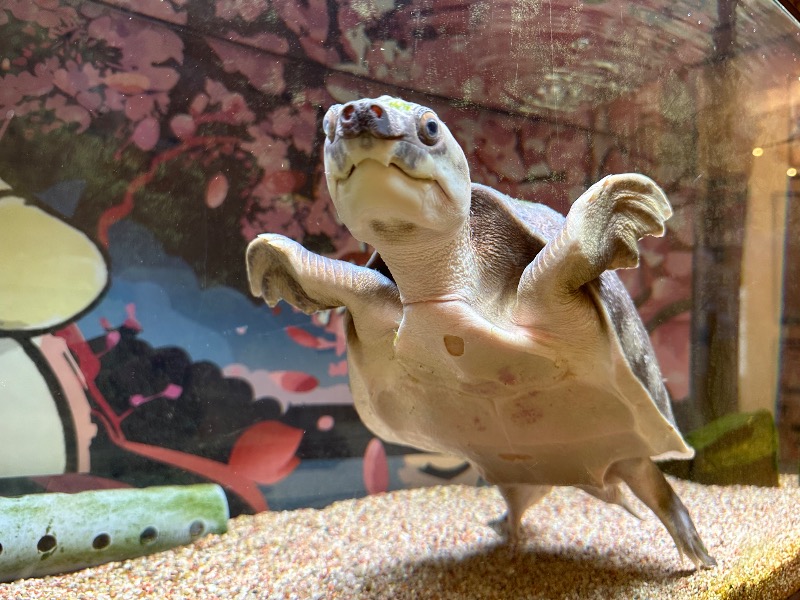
329 121
429 128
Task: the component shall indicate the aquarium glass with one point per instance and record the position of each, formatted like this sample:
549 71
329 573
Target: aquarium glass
144 143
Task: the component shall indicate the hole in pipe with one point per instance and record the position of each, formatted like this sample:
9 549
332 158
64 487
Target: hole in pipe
148 535
197 528
46 543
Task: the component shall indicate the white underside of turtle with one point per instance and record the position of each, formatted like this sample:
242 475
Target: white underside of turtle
520 409
486 327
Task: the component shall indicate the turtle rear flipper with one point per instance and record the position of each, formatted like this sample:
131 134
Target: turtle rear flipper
600 233
647 482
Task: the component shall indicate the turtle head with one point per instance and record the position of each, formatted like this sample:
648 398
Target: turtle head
393 168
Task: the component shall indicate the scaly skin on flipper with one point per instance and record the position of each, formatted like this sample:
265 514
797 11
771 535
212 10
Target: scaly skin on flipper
496 330
600 234
281 269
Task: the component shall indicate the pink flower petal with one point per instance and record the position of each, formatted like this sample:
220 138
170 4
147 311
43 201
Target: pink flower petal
302 337
297 381
145 136
137 400
216 191
112 339
183 126
337 369
376 467
265 452
283 182
172 391
199 104
131 322
325 423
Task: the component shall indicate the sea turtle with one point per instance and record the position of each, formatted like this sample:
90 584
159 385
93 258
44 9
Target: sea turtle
487 327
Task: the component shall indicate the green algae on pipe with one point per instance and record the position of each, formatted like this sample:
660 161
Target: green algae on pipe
42 534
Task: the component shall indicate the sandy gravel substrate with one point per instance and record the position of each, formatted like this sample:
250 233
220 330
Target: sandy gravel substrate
435 543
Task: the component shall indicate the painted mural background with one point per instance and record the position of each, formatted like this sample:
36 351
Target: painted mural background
169 133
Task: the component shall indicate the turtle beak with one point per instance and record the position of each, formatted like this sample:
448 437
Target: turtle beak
360 130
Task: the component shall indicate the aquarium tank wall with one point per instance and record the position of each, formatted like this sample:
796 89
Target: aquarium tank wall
144 143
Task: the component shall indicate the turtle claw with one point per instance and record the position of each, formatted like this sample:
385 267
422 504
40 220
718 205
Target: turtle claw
691 546
509 534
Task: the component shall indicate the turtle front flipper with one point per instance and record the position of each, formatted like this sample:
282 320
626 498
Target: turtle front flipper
600 233
281 269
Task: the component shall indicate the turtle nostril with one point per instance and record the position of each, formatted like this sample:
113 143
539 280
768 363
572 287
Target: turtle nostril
347 112
376 110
